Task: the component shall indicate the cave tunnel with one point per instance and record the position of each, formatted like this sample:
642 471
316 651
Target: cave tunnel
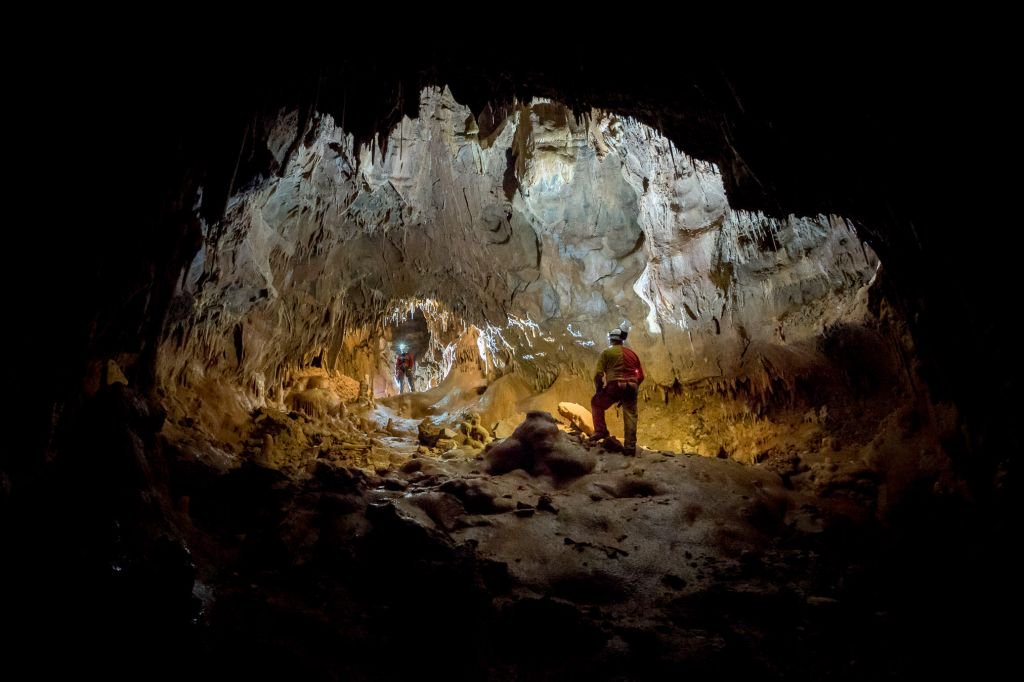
217 474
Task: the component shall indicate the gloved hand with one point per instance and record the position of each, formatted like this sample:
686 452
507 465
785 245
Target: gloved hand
598 384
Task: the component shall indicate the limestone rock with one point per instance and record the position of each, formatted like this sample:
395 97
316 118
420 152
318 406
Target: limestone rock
540 448
428 433
579 416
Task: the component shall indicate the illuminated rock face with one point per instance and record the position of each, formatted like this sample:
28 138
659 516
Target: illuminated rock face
544 230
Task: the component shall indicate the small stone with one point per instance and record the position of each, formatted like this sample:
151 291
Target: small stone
822 601
412 466
545 504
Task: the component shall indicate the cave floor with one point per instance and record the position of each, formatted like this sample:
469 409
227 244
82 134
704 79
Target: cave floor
654 565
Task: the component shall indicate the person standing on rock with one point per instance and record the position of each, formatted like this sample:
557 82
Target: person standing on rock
617 380
405 368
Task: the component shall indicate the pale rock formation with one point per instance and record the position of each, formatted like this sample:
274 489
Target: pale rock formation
578 416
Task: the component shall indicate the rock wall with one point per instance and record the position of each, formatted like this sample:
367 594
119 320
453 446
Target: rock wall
540 230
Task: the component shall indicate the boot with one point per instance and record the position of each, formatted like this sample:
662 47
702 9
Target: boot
611 444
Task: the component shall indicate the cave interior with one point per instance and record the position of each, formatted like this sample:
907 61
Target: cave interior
216 473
